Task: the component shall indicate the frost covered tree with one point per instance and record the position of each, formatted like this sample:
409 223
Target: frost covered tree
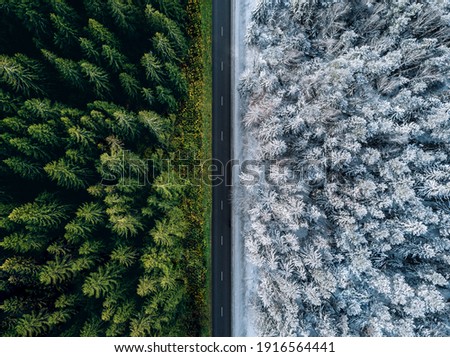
354 95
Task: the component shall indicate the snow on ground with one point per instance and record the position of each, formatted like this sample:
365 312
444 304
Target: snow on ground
242 275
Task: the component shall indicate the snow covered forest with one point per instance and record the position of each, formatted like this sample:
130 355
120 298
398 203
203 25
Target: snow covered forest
348 232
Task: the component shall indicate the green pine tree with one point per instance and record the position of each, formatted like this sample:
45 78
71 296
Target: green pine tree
24 168
152 67
44 212
130 85
163 47
69 70
19 77
34 324
97 77
56 271
101 35
65 36
66 174
101 282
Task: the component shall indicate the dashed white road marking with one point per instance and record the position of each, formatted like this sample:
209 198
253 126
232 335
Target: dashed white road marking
221 240
221 276
221 205
221 66
221 31
221 135
221 100
221 311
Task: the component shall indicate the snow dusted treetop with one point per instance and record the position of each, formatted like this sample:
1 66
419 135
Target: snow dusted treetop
355 96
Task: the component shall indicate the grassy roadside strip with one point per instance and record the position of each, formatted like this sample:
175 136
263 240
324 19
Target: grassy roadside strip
193 139
206 11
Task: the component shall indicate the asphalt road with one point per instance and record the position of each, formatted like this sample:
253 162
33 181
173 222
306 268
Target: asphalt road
221 151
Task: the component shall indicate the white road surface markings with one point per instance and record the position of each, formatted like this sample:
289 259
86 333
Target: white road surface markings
221 135
221 276
221 66
221 31
221 205
221 100
221 311
221 240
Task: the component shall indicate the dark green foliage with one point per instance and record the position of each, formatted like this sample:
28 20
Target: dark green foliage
166 99
165 25
22 243
125 255
66 174
20 74
69 70
33 324
28 148
26 169
163 48
90 243
172 9
121 12
64 35
44 212
44 133
89 49
56 271
113 57
8 103
152 67
101 282
130 85
97 78
175 79
100 34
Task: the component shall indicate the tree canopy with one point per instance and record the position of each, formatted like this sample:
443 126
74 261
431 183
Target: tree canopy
91 93
347 112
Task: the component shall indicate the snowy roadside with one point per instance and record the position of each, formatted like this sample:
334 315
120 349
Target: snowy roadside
241 276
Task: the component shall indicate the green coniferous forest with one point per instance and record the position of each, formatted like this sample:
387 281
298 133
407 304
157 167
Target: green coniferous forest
90 90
